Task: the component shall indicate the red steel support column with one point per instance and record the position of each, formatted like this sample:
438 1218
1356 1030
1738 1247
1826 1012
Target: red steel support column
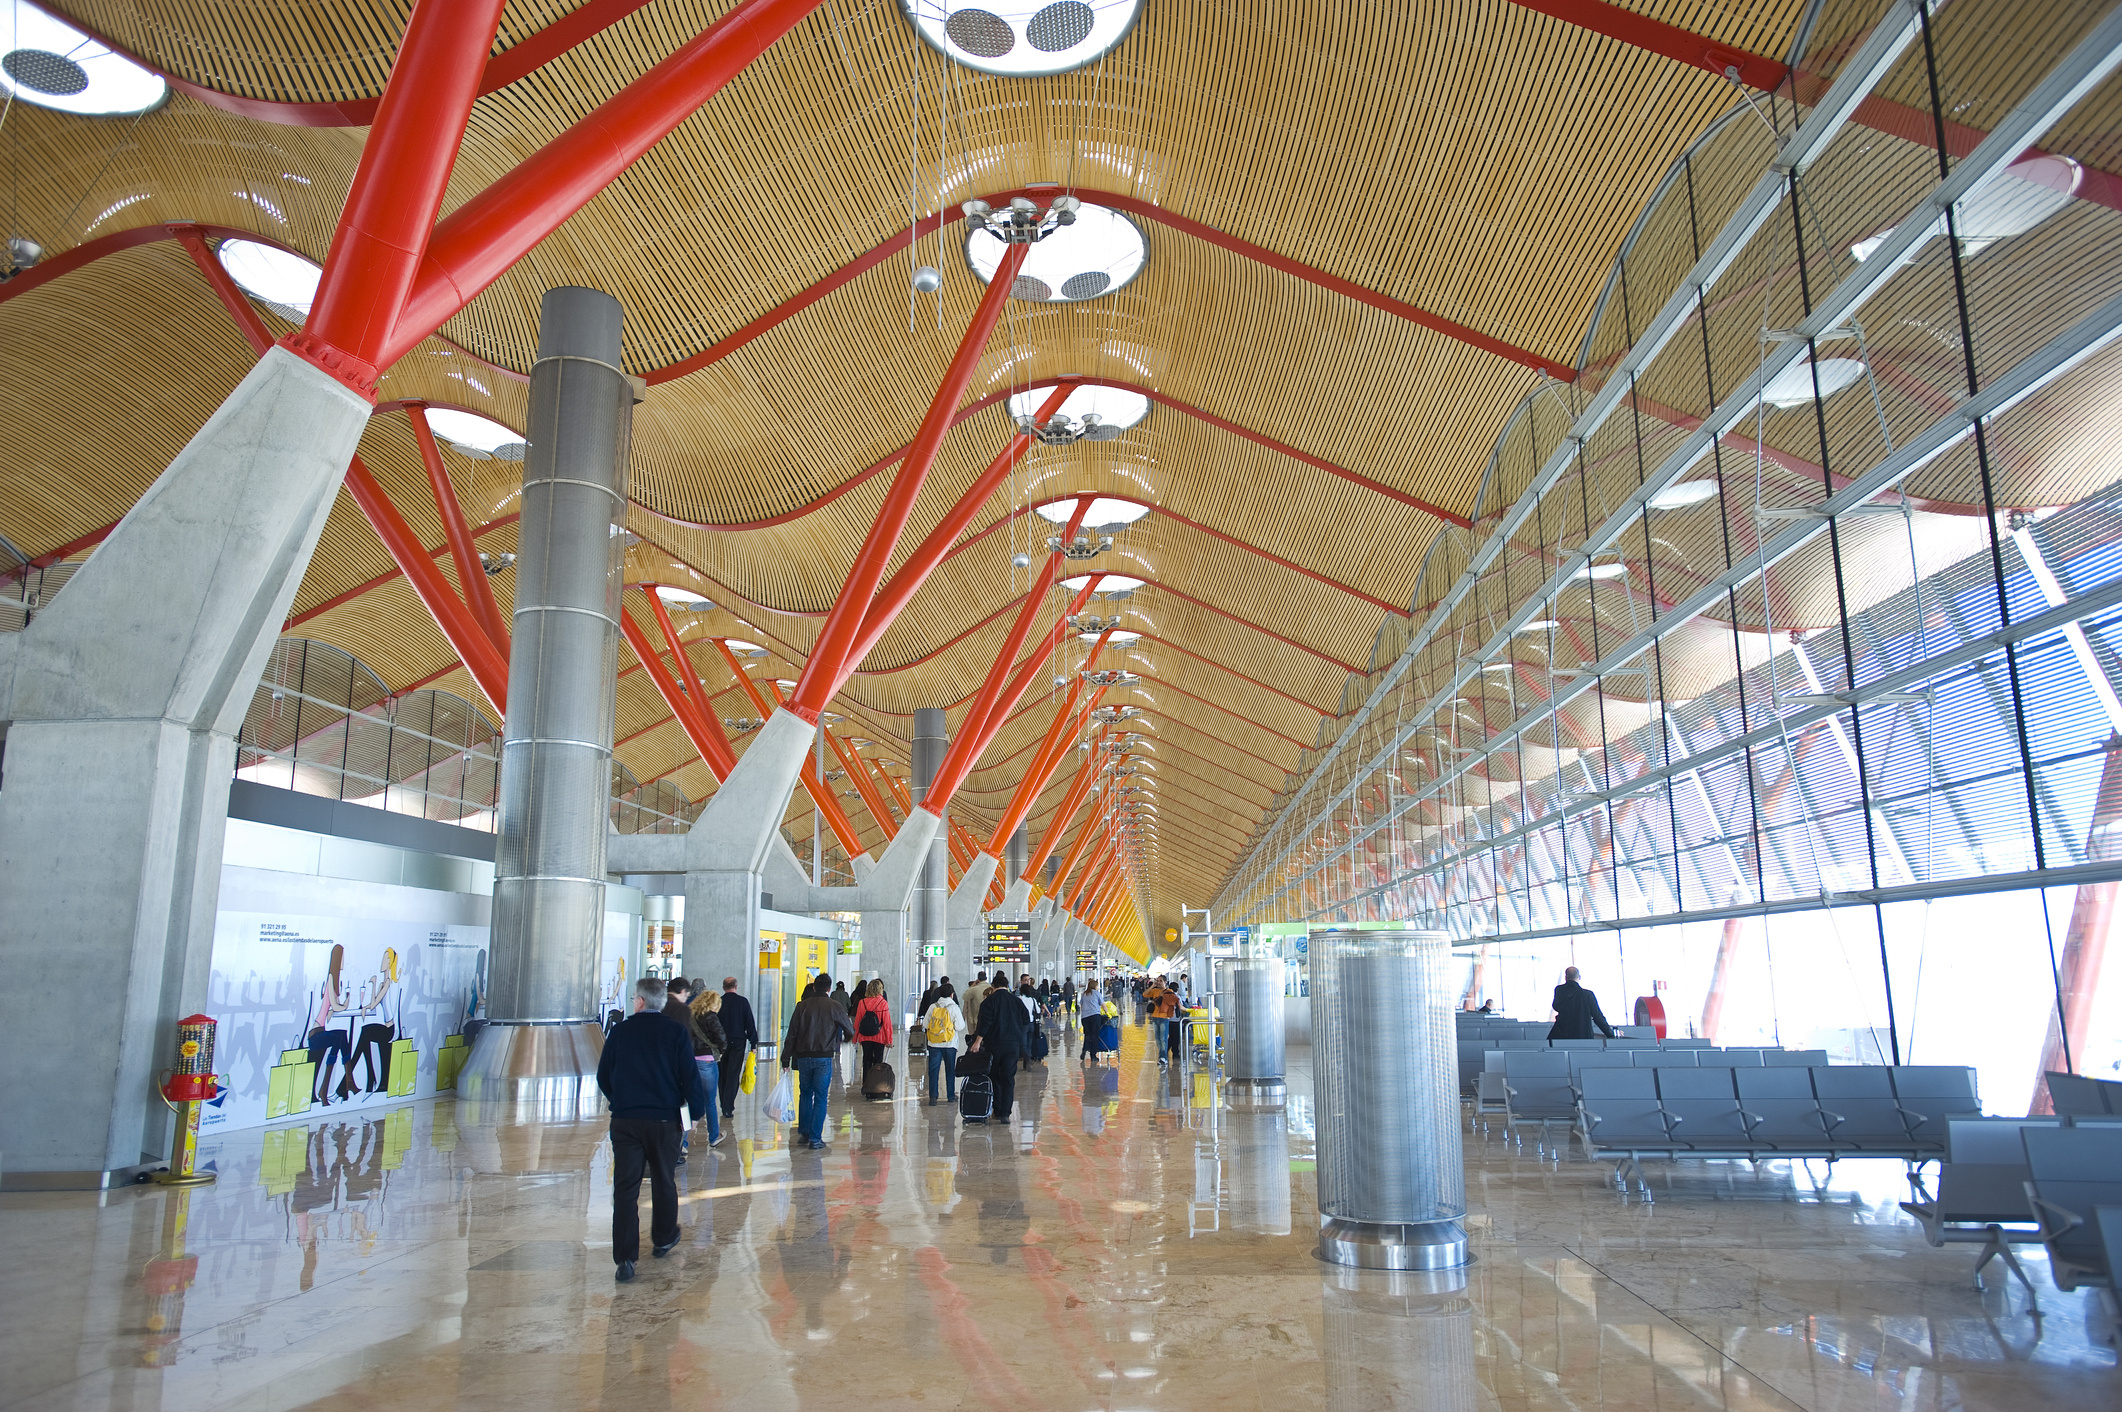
864 786
1047 758
389 215
831 656
474 648
464 551
1057 829
700 727
900 589
820 793
496 228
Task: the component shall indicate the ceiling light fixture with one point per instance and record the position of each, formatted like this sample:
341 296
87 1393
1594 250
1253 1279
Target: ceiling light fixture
53 65
1083 546
1094 251
1681 494
1793 387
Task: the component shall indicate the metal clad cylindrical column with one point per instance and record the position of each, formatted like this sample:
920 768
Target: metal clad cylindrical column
1015 853
1392 1184
930 912
1253 1056
548 911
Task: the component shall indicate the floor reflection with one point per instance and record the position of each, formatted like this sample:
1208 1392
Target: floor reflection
1129 1241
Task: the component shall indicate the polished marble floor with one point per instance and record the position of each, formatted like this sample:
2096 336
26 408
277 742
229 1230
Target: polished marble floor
1127 1243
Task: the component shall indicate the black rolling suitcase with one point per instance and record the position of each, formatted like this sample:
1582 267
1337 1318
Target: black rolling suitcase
976 1089
880 1081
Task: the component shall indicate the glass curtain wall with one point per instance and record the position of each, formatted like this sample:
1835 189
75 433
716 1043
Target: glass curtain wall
1776 676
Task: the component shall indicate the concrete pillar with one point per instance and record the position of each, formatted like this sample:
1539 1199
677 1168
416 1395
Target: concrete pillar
557 745
930 908
965 920
124 698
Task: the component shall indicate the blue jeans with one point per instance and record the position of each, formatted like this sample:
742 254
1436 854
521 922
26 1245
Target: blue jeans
711 1077
814 1079
944 1057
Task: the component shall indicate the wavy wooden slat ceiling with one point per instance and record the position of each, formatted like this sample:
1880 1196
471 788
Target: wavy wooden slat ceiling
1476 159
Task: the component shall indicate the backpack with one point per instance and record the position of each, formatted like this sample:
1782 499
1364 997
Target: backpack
941 1029
870 1025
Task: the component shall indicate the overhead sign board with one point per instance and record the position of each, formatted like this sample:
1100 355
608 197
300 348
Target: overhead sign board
1008 943
1086 960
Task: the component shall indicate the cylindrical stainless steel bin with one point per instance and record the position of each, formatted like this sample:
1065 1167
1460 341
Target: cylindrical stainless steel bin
1392 1183
1253 1055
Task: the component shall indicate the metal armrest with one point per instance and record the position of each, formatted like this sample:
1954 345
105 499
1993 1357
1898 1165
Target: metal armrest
2042 1210
1835 1120
1590 1117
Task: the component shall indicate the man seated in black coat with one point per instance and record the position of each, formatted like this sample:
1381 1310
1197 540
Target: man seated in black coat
647 1074
1577 1010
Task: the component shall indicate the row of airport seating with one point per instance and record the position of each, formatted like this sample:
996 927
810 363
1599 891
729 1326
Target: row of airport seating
1479 1057
2074 1095
1819 1111
2026 1181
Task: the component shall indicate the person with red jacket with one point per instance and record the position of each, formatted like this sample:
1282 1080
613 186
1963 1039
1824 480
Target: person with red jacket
873 1024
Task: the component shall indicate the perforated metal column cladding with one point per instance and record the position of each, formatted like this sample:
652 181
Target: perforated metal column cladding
557 745
1385 1077
1255 1049
932 889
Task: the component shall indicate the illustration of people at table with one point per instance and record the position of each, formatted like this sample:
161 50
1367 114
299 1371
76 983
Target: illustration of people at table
327 1037
381 1001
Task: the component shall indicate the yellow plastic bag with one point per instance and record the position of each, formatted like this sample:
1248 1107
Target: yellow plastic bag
750 1080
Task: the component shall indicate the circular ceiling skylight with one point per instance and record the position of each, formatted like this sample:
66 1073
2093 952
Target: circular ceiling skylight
1684 493
742 648
1110 583
480 438
272 276
1104 512
683 599
1100 253
1114 406
53 65
1022 38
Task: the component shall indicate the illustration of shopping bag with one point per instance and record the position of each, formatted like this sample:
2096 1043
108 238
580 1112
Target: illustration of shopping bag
405 1067
290 1085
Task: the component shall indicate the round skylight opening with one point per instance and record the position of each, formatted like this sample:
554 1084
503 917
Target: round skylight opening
1682 494
1100 253
1110 583
683 599
281 278
49 63
1793 387
480 438
1123 635
1116 407
1596 572
1022 38
742 648
1104 512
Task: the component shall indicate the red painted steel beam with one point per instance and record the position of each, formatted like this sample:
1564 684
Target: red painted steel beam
1051 749
704 732
831 657
485 662
1656 37
385 224
1078 788
814 784
972 736
500 225
471 570
942 541
1083 835
369 585
688 675
864 785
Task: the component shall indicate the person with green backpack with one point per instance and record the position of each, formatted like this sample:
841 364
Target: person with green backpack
944 1024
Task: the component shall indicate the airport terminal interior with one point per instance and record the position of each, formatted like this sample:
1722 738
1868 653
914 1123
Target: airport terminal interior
1484 638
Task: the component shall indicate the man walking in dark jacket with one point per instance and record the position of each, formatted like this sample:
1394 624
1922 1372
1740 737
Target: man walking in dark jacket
646 1074
1577 1010
742 1032
817 1027
1003 1031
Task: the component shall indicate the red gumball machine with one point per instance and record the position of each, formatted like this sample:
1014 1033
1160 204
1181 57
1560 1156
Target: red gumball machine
186 1089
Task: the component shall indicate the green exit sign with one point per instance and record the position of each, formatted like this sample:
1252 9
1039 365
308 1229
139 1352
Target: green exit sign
933 948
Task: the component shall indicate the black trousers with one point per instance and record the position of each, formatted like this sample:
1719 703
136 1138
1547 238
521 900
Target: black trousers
650 1146
872 1054
1003 1075
732 1073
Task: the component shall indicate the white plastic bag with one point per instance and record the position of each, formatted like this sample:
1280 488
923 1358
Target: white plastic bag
780 1104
